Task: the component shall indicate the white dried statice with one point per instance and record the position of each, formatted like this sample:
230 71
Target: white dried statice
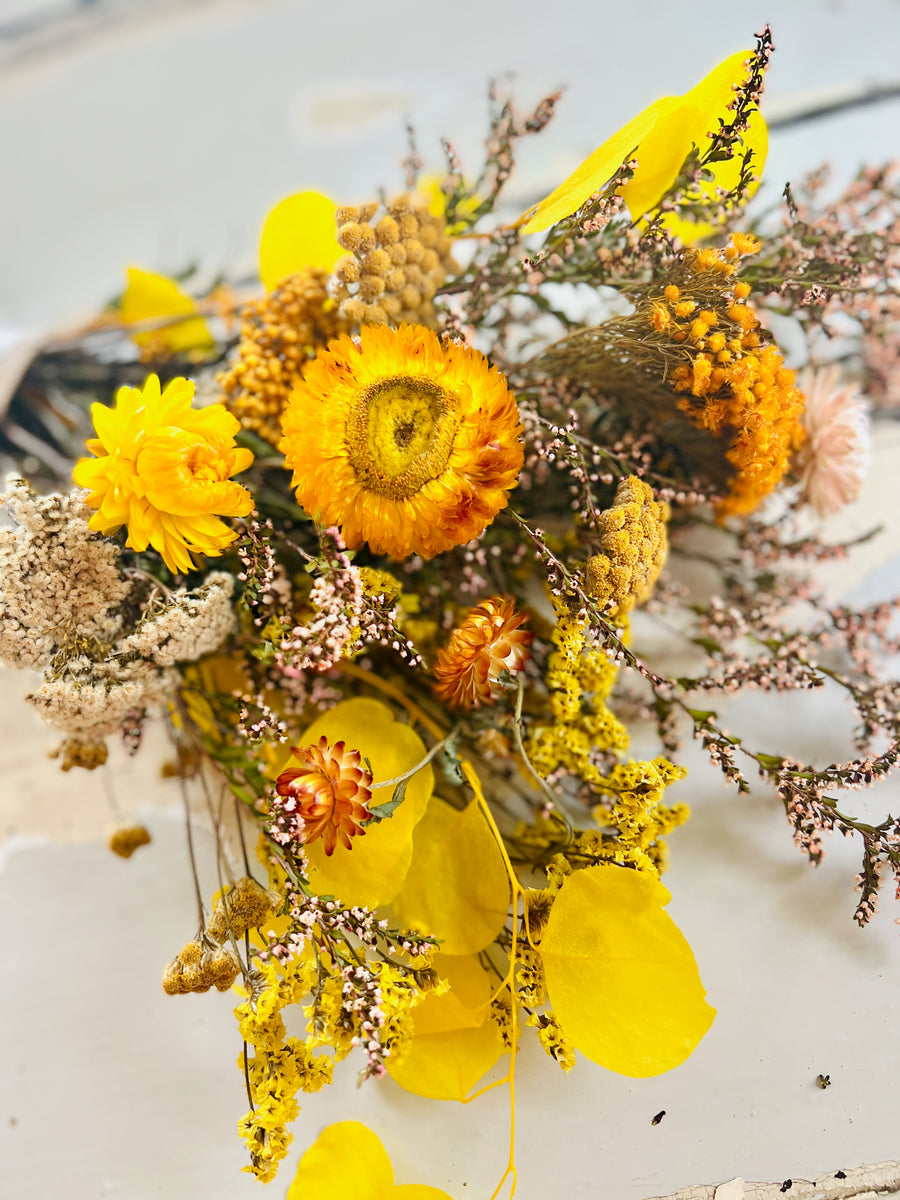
106 646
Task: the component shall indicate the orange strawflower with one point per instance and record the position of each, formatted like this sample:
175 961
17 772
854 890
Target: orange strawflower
405 443
489 642
326 795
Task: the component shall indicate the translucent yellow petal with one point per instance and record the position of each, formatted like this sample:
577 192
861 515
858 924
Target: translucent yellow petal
346 1162
454 1040
147 296
726 175
298 232
598 169
621 977
698 113
457 888
372 871
661 155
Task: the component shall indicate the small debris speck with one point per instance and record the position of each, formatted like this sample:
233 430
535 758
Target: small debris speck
823 1081
840 1175
659 1116
787 1185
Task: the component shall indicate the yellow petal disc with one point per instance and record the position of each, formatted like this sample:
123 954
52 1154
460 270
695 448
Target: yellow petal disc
299 232
598 169
147 296
667 147
454 1040
346 1162
457 888
372 871
661 137
621 976
662 153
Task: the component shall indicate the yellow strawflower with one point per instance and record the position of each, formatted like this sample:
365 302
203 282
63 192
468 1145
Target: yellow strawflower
163 469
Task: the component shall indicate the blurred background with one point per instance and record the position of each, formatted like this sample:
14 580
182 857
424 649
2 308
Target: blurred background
159 133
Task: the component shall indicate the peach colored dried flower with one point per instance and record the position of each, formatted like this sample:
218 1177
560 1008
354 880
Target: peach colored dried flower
490 640
325 795
835 455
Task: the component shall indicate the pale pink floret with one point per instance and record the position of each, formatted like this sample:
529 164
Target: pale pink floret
835 456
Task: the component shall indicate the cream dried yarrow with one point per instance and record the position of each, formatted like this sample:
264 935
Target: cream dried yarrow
67 611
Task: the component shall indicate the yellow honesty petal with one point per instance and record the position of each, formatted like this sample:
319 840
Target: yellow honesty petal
598 169
621 976
299 232
661 155
454 1040
148 296
725 175
346 1162
372 871
698 114
457 887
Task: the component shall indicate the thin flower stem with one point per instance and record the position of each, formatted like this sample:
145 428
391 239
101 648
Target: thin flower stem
510 979
541 782
191 854
423 762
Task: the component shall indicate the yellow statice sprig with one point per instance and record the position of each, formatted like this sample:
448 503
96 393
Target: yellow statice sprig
579 723
584 741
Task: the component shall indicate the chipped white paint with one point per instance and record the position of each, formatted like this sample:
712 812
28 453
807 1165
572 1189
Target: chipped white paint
880 1181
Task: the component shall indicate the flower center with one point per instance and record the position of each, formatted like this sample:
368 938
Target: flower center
400 434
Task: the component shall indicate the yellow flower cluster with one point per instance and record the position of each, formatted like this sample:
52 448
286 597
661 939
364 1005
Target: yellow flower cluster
279 333
734 384
393 268
201 964
243 905
280 1067
635 546
640 819
80 752
532 986
579 678
552 1038
211 960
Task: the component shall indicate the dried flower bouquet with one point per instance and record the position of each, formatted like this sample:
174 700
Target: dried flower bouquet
400 641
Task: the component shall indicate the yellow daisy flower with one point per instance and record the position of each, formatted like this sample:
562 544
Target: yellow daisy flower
163 469
407 444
